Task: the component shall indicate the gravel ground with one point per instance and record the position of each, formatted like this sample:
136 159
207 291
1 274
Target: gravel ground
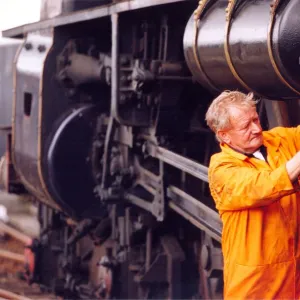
21 216
10 271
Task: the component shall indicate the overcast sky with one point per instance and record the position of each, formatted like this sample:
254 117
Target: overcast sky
18 12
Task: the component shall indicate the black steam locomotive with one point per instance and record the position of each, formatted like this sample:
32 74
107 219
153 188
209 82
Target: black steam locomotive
102 121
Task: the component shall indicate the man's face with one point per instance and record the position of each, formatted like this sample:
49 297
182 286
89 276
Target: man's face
245 133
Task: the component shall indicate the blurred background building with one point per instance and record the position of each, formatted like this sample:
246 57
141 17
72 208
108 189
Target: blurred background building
16 209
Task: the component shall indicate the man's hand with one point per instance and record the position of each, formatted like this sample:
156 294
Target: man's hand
293 167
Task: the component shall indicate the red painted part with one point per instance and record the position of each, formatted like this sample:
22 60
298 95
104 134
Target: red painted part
29 261
108 280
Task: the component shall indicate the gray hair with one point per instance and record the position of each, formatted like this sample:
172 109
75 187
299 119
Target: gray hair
218 113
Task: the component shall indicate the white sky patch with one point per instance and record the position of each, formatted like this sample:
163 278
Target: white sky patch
15 13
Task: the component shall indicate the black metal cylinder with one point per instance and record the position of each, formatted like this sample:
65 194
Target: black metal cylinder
249 50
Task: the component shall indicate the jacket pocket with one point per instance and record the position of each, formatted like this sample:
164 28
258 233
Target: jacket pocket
276 281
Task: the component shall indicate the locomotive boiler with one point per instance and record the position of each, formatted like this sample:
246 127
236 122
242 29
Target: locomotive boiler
107 133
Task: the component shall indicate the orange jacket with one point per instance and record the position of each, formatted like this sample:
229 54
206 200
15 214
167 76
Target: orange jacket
260 211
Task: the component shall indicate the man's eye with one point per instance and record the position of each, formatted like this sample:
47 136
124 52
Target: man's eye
244 127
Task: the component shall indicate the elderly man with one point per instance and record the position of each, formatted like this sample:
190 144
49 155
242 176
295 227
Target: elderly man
254 182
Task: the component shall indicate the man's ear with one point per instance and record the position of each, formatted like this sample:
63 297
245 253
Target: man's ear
224 136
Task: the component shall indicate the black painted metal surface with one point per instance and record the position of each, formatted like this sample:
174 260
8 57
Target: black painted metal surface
248 49
286 39
70 175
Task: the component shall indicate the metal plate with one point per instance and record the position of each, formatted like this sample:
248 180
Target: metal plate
86 15
8 49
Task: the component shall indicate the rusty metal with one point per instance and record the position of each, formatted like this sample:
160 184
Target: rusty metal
23 238
12 296
12 256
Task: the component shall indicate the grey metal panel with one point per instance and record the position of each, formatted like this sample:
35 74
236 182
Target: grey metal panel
86 15
26 144
8 49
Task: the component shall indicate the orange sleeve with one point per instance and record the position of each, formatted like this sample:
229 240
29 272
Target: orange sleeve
296 133
292 134
236 187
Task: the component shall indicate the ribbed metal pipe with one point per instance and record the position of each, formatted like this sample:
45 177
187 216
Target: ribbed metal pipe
247 46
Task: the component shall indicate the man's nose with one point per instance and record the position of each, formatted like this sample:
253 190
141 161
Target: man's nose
256 128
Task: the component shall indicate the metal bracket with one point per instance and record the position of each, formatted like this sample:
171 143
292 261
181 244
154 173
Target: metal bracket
154 185
196 212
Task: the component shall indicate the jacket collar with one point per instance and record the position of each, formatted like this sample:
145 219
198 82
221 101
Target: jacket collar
268 142
228 150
